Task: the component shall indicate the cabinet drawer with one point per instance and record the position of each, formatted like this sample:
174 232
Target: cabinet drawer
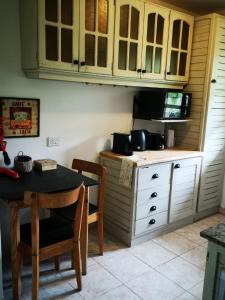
155 193
152 207
153 175
151 223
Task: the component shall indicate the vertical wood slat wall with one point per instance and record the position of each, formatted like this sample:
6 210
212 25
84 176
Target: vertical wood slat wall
214 143
187 134
206 131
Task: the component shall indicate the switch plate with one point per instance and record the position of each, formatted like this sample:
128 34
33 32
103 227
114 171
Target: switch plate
53 141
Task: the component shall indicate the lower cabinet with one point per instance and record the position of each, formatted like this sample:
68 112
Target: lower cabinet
162 196
184 188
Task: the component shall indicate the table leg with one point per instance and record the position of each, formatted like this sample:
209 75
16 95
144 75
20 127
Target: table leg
15 254
84 233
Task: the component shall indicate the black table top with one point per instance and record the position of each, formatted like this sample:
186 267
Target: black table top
58 180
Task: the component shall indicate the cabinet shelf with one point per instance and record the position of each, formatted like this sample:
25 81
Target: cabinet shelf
171 121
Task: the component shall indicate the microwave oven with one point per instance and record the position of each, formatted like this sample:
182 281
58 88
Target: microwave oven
162 105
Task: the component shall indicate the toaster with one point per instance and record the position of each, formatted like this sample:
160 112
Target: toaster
122 144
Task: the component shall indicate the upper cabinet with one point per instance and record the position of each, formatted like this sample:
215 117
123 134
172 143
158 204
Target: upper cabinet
179 46
141 32
96 36
154 43
126 42
128 38
76 35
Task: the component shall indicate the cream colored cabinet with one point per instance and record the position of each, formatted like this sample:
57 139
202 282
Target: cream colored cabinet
96 36
105 41
128 38
154 44
162 196
184 188
179 46
140 46
73 35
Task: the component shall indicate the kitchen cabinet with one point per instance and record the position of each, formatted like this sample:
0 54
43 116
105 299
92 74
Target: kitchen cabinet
140 40
179 46
80 40
184 188
162 195
73 36
206 131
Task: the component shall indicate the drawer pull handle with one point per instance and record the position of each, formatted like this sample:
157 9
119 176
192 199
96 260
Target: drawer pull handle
177 166
154 176
153 208
153 195
151 222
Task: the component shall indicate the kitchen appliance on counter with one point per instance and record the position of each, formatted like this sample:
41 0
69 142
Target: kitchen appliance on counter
122 144
140 140
157 141
161 104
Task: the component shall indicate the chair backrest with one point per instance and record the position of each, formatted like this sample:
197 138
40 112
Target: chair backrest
54 200
97 169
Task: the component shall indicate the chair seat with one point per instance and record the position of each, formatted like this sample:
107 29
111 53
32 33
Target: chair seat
52 230
69 211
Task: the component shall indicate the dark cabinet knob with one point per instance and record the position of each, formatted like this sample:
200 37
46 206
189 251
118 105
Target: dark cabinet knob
143 71
168 73
177 166
153 195
154 176
82 63
213 80
139 70
151 222
153 208
76 62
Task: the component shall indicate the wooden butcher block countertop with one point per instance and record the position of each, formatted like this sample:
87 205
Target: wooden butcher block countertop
144 158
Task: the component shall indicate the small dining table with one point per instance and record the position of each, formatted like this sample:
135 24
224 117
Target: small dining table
12 193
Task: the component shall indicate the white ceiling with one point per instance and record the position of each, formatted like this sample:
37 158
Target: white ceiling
199 6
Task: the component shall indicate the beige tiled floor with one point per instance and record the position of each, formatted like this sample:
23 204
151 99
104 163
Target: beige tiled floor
168 267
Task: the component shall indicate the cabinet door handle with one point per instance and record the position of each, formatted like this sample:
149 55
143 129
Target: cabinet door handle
143 71
153 195
177 166
154 176
82 63
76 62
213 80
153 208
151 222
139 70
168 73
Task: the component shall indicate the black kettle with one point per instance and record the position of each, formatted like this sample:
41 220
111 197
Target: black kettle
140 140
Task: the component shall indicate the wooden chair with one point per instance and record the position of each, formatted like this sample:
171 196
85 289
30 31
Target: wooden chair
46 238
95 212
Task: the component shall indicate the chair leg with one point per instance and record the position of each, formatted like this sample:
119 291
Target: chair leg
72 260
100 234
57 263
35 277
77 264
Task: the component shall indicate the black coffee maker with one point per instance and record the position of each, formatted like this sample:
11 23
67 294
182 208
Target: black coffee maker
140 140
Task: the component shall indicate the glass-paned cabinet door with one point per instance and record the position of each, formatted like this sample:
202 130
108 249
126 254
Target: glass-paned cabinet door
179 46
58 34
154 53
96 36
128 38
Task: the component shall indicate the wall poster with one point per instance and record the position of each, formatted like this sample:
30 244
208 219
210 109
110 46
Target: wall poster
19 117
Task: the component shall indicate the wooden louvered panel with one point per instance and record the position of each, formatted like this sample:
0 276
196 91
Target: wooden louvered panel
184 189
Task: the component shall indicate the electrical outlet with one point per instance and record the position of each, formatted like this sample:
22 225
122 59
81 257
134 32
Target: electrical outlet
53 141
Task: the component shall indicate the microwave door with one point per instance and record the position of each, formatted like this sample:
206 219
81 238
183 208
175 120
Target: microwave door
172 112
